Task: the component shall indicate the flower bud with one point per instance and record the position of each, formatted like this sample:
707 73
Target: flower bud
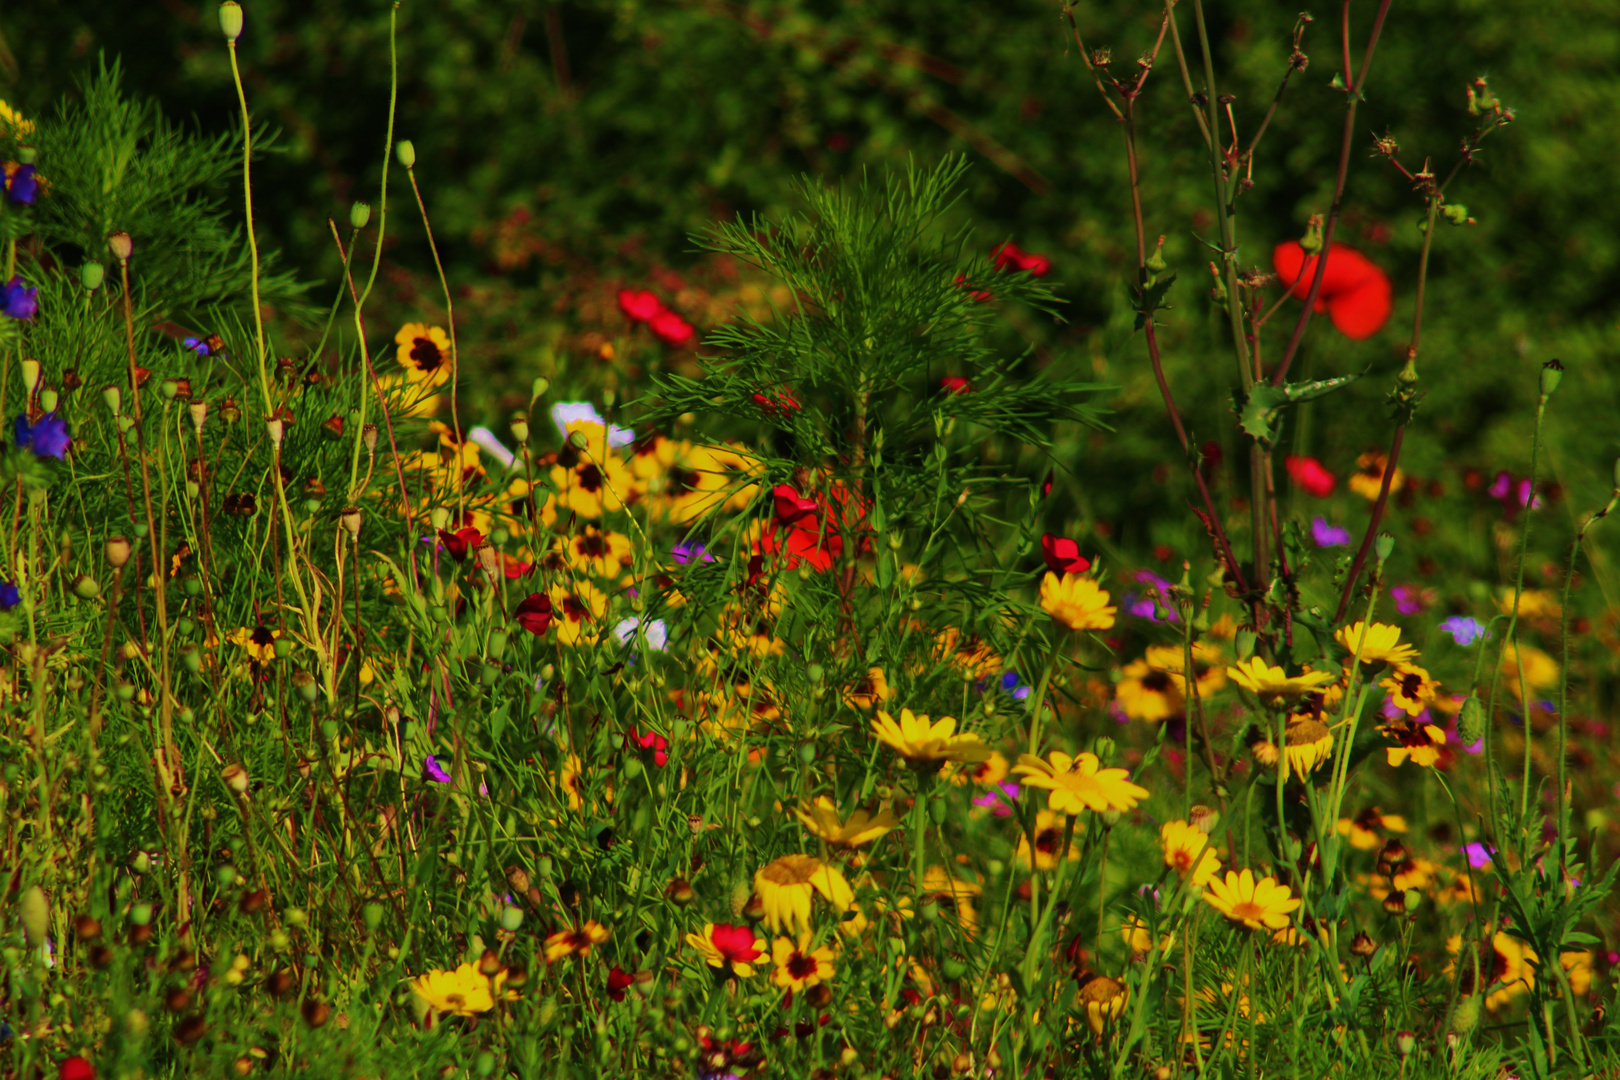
35 912
49 399
199 413
1405 1043
306 686
1311 242
577 440
1204 818
1383 545
373 913
406 152
1456 213
351 518
539 388
170 389
520 430
117 552
86 587
192 657
30 376
114 399
1466 1015
1363 945
1552 373
273 428
359 214
121 246
230 20
1471 721
91 275
236 778
439 517
368 435
489 964
511 919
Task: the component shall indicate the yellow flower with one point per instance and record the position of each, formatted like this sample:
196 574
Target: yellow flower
950 894
984 773
1182 845
1539 671
575 942
798 966
12 122
1410 688
1103 1000
601 553
576 612
926 745
1076 601
568 780
1369 478
462 992
1578 967
1079 783
975 658
1366 829
1533 603
1420 743
708 479
1262 904
733 948
1508 970
1308 743
869 692
1271 684
424 353
258 641
1375 643
590 480
821 818
1145 693
1049 829
1138 936
787 886
1208 671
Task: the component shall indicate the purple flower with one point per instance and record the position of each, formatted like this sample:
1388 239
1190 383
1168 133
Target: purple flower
1501 485
1000 799
18 300
10 597
1329 535
47 437
1010 685
434 770
1147 607
197 345
691 552
23 186
1411 599
1464 629
1479 855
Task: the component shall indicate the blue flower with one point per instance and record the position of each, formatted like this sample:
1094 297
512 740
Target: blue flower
10 597
23 186
197 345
1464 629
18 300
47 437
1327 535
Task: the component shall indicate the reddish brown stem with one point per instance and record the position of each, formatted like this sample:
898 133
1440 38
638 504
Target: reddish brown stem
1372 525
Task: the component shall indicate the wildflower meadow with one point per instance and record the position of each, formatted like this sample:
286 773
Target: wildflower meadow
746 540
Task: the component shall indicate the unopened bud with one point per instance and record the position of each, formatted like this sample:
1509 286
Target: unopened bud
230 20
368 435
1456 213
1383 545
199 413
406 152
49 399
1203 818
489 964
1471 721
86 587
305 684
577 440
35 913
511 919
438 517
488 560
114 398
91 275
1405 1043
1552 373
1363 945
170 389
351 518
121 246
520 430
273 428
538 388
117 552
359 214
30 376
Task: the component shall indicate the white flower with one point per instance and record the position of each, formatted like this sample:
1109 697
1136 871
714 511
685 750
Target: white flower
657 633
487 440
567 412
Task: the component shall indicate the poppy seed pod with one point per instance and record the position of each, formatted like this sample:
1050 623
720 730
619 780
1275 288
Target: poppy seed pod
118 551
368 435
199 413
1552 373
236 778
35 912
91 275
49 399
405 150
121 246
230 20
273 428
30 375
359 215
351 519
114 399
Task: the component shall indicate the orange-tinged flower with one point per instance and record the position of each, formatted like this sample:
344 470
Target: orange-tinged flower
1186 844
1418 743
576 611
1262 904
924 744
871 691
1208 671
1366 830
578 942
603 554
259 642
1103 1000
466 991
1307 743
798 966
1077 602
992 770
1079 783
1410 687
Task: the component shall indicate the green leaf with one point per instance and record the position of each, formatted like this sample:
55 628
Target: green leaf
1259 413
1296 392
1152 298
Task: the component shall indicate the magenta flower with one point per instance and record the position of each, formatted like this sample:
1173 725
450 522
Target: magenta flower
1327 535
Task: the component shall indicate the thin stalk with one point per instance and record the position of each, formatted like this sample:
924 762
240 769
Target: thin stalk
1563 668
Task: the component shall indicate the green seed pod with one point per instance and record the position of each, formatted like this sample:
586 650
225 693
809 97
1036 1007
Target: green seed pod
1466 1016
405 151
91 276
1471 721
114 399
1552 373
49 399
86 587
742 890
1456 213
577 440
35 912
140 914
538 388
497 644
230 20
359 214
511 919
373 914
485 1063
520 430
140 862
191 656
295 916
306 686
937 810
1383 546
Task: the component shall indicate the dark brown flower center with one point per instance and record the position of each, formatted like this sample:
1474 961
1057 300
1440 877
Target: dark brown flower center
576 611
682 480
1158 682
801 966
590 478
426 355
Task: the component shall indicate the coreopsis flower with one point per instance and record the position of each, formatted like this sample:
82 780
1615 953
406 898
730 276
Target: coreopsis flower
798 965
1184 845
1310 476
1138 936
1374 643
1368 479
707 479
466 991
728 948
568 780
1366 830
1410 688
1049 829
1526 669
787 886
927 745
1062 555
1578 967
1414 741
1208 671
869 692
992 770
1532 603
577 609
1262 904
968 653
603 554
18 301
950 894
259 641
1148 694
424 353
46 437
1103 1000
1307 743
1508 970
590 480
1273 684
1355 293
1079 783
1077 602
577 942
534 613
862 827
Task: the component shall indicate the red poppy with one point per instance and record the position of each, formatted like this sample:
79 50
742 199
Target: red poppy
534 613
640 305
955 384
798 544
1008 257
1062 555
1046 485
650 741
791 507
461 541
1355 293
1311 476
671 329
778 402
75 1068
619 980
513 568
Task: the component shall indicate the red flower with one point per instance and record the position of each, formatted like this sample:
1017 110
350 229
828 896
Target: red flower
458 543
75 1068
802 545
671 329
1310 476
650 741
1009 257
619 980
513 568
980 296
1062 555
1355 293
735 943
778 402
534 613
791 507
955 384
640 306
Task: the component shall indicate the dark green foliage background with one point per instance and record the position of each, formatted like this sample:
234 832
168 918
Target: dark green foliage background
672 115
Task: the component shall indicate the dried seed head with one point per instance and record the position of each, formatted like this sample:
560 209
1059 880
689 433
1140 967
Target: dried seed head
351 519
121 246
273 428
1204 818
1363 945
199 413
236 778
368 435
488 559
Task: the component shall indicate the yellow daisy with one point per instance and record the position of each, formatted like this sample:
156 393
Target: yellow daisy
1308 743
787 886
1539 671
1369 475
1049 829
1272 684
1076 601
798 966
576 611
1183 844
822 820
926 745
603 554
1208 671
576 942
1079 783
1375 643
259 642
465 991
1262 904
424 353
1103 1000
869 692
1148 694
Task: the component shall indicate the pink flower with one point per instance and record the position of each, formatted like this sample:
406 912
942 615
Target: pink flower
671 329
651 740
1310 476
640 305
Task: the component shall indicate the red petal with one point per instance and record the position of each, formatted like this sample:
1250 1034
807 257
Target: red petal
640 306
1346 269
1363 311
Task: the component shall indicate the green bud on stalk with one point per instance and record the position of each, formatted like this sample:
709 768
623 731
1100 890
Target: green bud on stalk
91 276
35 912
230 20
1471 721
1383 546
1552 373
359 215
405 151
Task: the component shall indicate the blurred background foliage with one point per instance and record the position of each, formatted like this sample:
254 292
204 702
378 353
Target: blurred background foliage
566 150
